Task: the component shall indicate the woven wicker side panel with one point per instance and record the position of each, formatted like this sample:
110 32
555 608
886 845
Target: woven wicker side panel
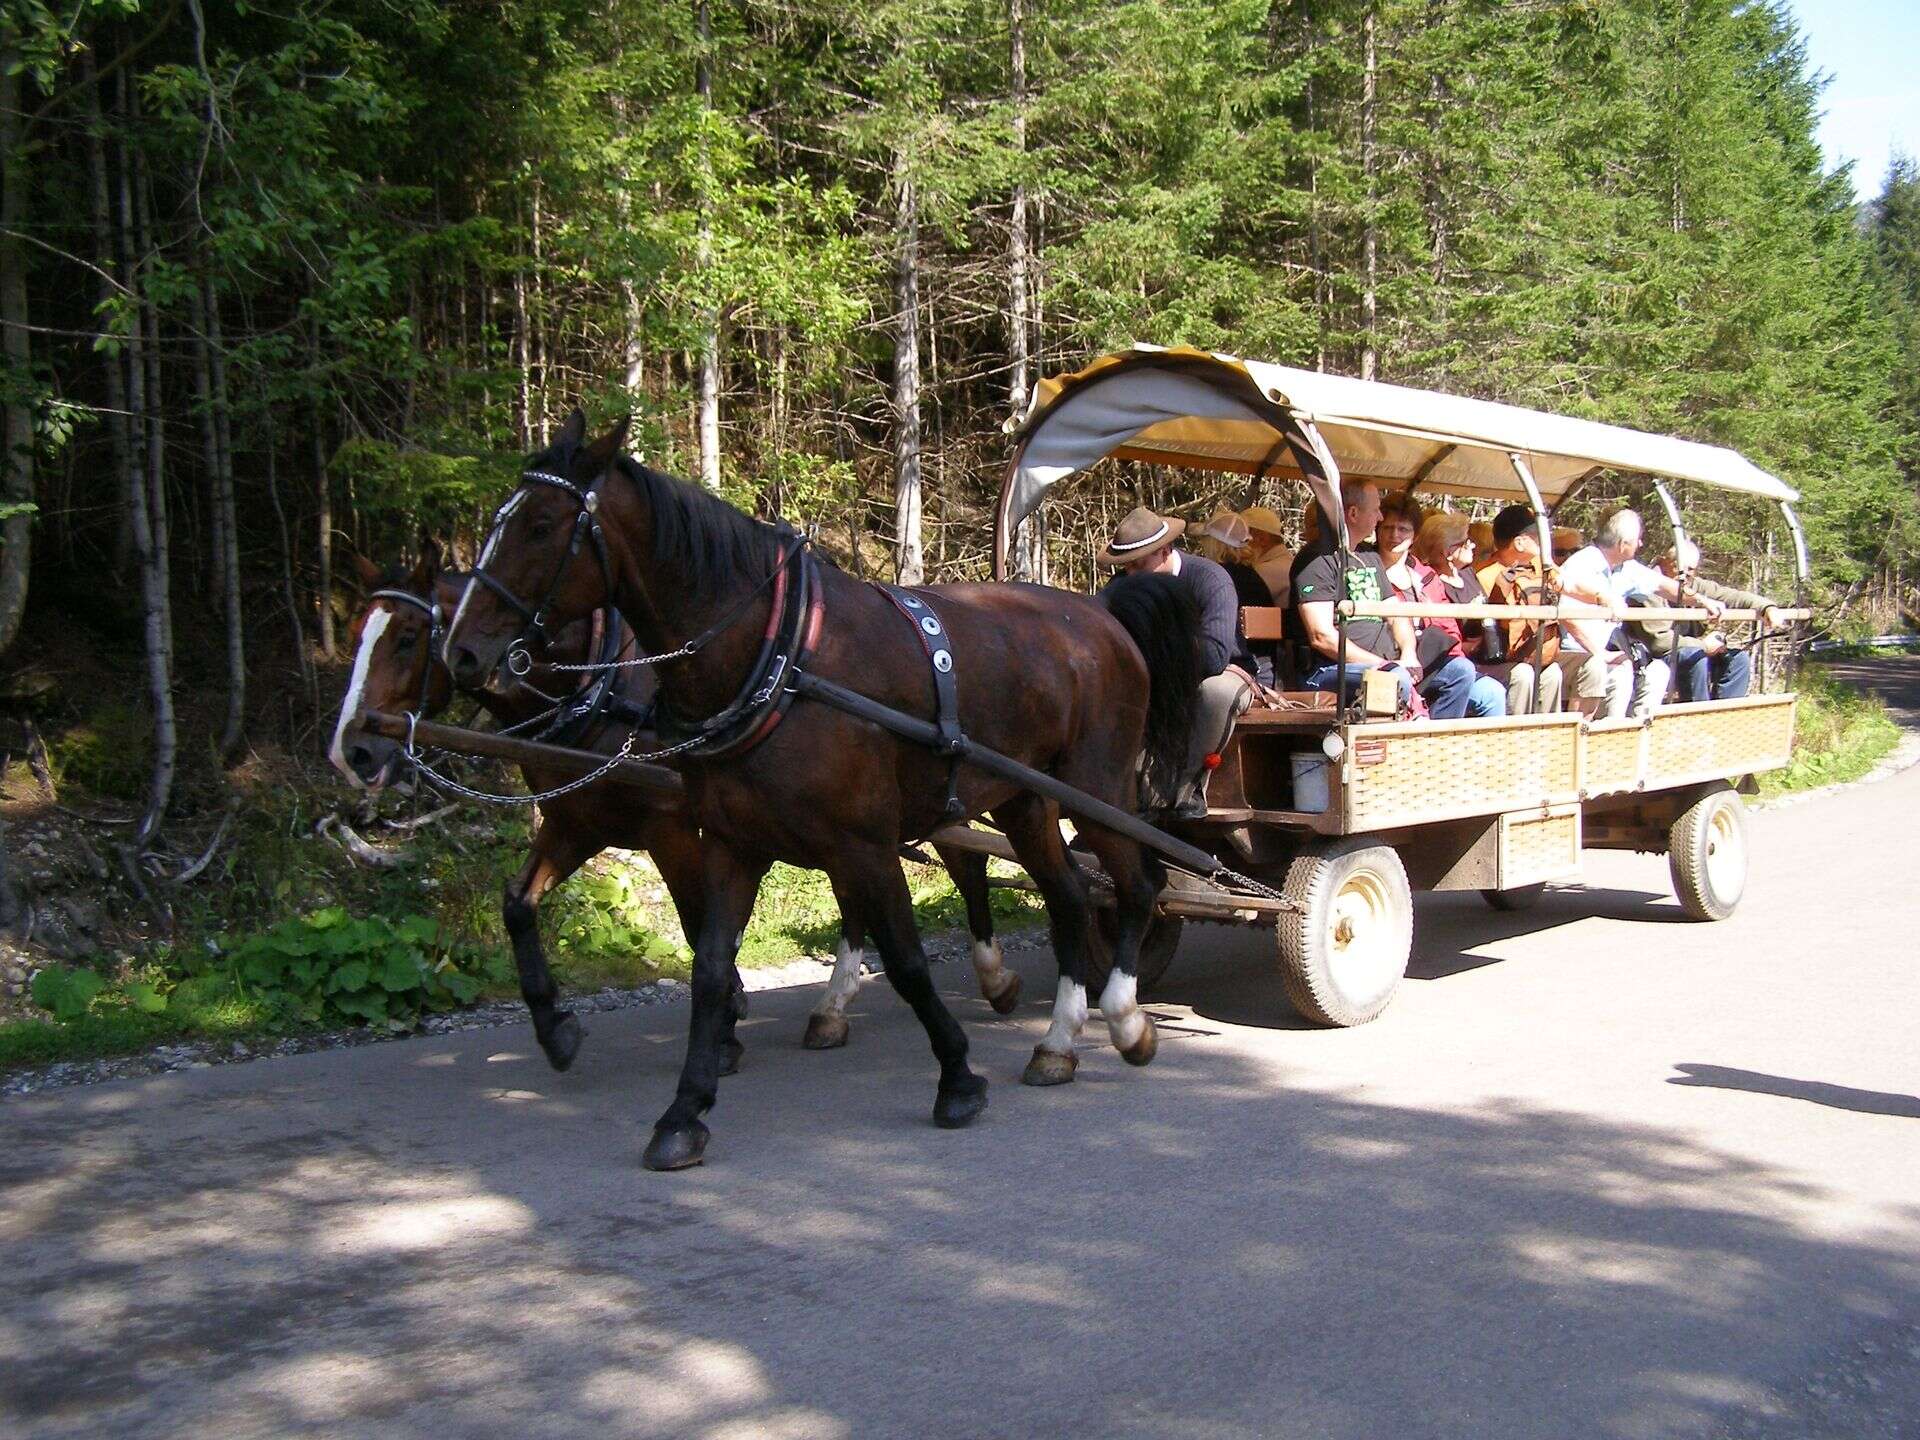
1612 761
1539 847
1723 740
1437 774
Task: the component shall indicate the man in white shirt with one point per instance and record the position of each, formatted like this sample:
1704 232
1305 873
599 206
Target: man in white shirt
1606 573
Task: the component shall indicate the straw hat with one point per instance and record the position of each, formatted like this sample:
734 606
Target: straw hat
1139 535
1226 527
1259 517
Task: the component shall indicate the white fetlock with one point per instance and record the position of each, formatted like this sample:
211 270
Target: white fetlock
844 982
990 967
1119 1003
1069 1014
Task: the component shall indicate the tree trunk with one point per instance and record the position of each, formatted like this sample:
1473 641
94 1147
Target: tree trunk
523 356
16 461
709 400
906 379
323 497
538 425
107 257
142 487
227 527
289 594
1370 233
1029 541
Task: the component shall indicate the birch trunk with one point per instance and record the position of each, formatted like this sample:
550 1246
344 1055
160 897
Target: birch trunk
709 399
227 527
141 511
907 497
1029 541
323 497
1370 237
106 256
16 461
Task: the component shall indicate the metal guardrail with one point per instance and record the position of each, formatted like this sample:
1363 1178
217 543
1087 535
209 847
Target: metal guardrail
1903 642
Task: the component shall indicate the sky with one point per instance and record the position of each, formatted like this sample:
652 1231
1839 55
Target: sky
1871 51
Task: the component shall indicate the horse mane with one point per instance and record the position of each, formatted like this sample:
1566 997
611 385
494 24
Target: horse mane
701 540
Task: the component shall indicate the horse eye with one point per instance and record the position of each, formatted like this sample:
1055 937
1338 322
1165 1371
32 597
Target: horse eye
405 642
540 529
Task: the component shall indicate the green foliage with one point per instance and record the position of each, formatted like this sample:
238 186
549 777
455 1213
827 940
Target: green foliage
1840 734
106 752
67 993
603 926
328 967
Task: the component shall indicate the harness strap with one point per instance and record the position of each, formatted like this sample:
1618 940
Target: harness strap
952 741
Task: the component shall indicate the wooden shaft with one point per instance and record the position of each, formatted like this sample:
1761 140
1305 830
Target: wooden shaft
1568 610
635 774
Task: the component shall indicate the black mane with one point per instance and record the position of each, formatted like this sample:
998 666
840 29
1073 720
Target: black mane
705 544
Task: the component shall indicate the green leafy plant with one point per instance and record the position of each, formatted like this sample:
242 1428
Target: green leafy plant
67 993
329 967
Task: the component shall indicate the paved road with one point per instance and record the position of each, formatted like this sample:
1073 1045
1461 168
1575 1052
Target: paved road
1599 1172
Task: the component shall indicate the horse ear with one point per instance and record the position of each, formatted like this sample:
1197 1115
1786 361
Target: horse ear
368 572
430 555
575 430
603 450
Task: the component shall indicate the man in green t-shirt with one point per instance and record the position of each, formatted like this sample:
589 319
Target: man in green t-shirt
1323 576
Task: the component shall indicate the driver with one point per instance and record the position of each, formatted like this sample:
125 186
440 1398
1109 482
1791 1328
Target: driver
1143 543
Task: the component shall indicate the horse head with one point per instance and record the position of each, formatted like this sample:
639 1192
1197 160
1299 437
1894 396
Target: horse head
396 667
547 560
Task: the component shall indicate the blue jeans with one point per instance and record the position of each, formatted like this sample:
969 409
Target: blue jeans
1327 677
1726 676
1455 689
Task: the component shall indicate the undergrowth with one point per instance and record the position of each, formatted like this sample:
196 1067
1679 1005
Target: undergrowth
1839 735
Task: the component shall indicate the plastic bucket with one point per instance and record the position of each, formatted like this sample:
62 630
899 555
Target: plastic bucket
1312 776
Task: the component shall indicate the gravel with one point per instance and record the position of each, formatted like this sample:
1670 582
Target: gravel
493 1015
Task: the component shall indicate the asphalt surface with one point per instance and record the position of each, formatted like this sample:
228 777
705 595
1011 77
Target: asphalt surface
1598 1172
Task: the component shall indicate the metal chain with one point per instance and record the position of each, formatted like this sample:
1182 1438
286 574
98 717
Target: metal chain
419 763
1245 882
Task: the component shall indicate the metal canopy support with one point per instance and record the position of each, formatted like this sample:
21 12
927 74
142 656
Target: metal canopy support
1673 517
1799 541
1532 487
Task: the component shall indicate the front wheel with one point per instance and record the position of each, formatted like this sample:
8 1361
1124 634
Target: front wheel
1344 951
1707 853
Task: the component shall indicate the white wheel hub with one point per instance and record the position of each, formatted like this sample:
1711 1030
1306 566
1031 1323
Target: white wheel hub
1726 857
1363 953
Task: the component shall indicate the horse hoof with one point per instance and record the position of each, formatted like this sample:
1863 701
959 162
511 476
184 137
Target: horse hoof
1142 1051
1050 1067
677 1149
825 1031
731 1053
1008 998
740 1003
562 1042
960 1104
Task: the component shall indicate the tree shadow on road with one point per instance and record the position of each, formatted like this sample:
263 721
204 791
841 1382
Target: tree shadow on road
444 1239
1818 1092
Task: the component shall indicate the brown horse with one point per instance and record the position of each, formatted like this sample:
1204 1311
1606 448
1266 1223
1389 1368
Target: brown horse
397 669
1073 685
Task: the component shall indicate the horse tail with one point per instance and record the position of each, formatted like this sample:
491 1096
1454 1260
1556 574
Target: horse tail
1163 618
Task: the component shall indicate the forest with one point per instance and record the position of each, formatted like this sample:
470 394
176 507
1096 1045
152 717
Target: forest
286 285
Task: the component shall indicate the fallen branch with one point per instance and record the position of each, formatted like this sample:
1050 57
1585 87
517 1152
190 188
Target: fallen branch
206 859
344 835
419 820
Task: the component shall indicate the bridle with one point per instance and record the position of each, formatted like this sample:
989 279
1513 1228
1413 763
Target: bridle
586 529
436 636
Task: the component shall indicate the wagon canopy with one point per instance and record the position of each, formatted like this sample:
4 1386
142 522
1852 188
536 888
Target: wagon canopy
1215 412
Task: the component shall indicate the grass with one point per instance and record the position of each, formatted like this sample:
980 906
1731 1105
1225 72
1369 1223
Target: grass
114 1027
1840 734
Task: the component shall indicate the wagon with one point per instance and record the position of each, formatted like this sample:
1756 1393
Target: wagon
1344 815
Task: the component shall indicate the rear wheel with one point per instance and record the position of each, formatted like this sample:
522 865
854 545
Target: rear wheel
1521 897
1343 953
1707 853
1156 950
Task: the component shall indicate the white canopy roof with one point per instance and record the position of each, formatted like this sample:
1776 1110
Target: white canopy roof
1191 408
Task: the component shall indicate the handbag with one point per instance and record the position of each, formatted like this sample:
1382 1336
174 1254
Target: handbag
1431 649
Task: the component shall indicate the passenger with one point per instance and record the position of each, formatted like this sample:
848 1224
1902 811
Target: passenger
1267 551
1515 576
1144 543
1443 685
1707 667
1321 577
1400 517
1443 555
1606 573
1225 540
1481 533
1566 540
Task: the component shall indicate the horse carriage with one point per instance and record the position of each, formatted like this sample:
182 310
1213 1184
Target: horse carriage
1025 705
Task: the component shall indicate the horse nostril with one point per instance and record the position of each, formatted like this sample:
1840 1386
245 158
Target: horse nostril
465 666
361 759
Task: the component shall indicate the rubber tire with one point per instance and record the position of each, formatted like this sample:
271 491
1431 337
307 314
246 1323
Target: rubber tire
1521 897
1307 954
1156 951
1716 819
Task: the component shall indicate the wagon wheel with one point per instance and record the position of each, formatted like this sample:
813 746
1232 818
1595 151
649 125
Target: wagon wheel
1707 853
1520 897
1156 950
1343 953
